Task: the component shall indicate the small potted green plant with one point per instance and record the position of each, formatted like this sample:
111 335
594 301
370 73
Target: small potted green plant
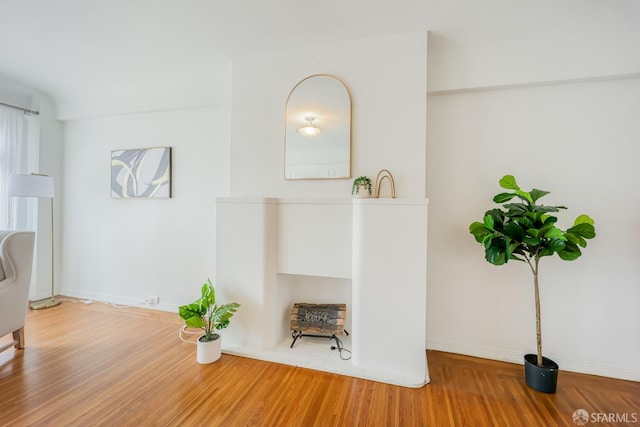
206 315
361 187
527 232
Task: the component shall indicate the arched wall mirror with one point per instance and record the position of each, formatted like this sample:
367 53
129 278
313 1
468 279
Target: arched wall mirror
318 130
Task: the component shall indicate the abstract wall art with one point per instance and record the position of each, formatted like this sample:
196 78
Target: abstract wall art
141 173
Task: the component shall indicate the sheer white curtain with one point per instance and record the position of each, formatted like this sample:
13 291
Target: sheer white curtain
14 146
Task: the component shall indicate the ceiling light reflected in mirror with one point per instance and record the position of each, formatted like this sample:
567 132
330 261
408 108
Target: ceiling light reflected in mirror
309 129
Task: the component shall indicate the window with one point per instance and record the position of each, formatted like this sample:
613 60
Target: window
16 132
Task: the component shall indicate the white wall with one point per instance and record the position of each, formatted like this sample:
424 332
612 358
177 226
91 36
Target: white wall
387 81
578 140
50 163
462 60
123 250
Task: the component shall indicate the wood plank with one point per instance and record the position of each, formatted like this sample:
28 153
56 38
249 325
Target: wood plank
329 306
99 365
296 313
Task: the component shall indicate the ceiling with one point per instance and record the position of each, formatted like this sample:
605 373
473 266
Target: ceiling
114 56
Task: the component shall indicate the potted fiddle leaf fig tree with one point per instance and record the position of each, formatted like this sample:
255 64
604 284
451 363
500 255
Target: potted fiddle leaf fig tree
205 314
526 231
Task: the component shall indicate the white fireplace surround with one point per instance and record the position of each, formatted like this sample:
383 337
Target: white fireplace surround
368 253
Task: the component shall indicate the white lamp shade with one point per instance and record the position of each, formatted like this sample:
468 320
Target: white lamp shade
21 185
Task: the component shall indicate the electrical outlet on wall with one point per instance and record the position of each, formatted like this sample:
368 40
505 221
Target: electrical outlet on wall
152 300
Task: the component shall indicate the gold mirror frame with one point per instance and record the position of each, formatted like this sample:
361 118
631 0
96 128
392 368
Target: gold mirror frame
320 107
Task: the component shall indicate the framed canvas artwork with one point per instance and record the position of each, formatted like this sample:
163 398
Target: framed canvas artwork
141 173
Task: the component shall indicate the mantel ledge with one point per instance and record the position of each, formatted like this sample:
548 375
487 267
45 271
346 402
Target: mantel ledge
322 201
390 201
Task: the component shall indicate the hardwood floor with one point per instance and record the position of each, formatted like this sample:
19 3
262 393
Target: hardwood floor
95 365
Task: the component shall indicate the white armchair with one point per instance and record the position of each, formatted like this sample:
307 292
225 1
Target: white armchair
16 258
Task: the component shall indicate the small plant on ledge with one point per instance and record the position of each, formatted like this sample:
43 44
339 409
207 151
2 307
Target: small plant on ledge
361 187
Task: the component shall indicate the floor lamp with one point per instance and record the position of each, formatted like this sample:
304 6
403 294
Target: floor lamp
36 185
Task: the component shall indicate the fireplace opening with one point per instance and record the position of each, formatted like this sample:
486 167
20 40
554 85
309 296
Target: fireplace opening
320 321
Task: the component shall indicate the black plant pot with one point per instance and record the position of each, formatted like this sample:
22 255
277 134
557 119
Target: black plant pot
542 378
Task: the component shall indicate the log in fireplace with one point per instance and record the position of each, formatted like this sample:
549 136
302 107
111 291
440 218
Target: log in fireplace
318 320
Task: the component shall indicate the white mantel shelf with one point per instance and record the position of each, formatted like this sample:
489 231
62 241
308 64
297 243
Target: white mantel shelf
322 201
378 246
391 202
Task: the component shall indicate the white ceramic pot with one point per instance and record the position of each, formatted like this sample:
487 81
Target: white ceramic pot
208 351
363 192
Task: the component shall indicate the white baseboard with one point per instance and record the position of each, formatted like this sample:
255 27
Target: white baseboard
506 355
118 300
